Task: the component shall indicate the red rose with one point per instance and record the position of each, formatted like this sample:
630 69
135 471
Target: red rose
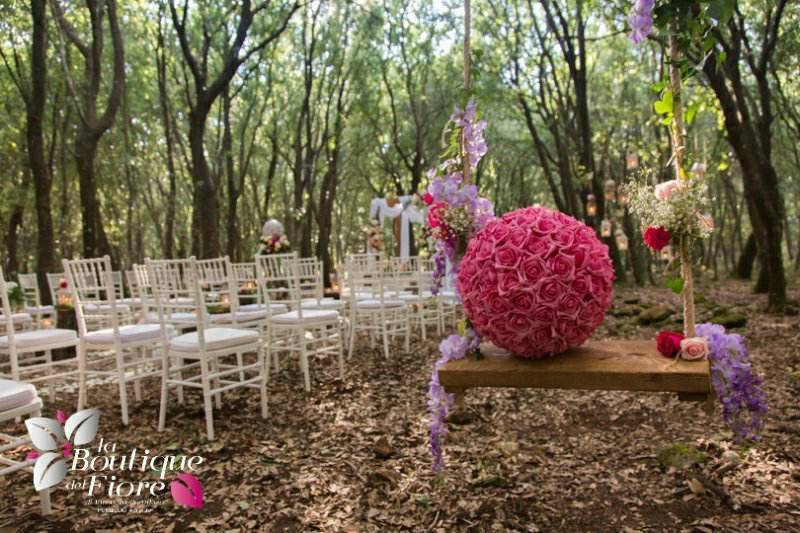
656 238
62 284
427 198
669 343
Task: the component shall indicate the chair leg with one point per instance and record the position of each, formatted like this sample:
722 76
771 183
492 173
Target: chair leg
263 366
162 410
408 335
340 344
207 398
385 335
137 385
81 355
215 384
180 378
51 389
352 339
240 364
304 360
123 391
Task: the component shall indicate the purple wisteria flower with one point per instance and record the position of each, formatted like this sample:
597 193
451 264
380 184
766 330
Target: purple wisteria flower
472 131
641 20
439 401
739 390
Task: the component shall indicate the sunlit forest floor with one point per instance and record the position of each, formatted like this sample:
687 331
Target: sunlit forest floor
353 455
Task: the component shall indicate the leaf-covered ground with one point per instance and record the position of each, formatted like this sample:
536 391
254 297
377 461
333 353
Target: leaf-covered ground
353 455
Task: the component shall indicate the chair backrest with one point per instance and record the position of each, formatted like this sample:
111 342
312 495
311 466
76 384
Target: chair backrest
119 289
30 289
8 322
91 283
372 279
244 272
277 277
217 281
175 289
309 270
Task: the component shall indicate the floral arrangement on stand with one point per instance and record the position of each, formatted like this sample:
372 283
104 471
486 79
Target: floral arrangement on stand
274 244
456 213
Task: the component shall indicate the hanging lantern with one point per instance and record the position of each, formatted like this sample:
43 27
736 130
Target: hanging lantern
666 253
63 298
610 190
632 161
605 228
699 170
591 205
622 198
622 241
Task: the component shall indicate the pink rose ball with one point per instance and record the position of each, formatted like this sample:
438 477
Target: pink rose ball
536 282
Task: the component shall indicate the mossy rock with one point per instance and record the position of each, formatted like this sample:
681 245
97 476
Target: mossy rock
625 311
679 455
654 314
730 319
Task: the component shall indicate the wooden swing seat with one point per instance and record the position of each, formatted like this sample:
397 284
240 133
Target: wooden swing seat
602 365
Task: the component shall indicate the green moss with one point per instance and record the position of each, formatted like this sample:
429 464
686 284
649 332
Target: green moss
680 455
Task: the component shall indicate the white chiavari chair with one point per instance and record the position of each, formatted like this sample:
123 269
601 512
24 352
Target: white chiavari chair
221 291
176 288
384 314
28 355
426 308
301 332
107 331
42 314
19 400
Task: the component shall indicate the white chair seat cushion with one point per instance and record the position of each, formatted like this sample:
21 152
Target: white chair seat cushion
17 317
40 337
14 394
322 303
273 308
96 308
130 301
128 334
311 315
215 339
152 318
376 304
40 310
409 297
241 316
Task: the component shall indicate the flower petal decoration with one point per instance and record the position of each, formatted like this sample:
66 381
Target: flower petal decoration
536 282
187 491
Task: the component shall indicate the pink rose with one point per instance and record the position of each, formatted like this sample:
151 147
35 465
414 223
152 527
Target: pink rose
545 226
665 190
533 268
519 322
518 238
563 238
497 305
562 266
581 284
506 257
694 348
539 246
522 301
544 314
549 291
500 233
508 283
484 250
570 304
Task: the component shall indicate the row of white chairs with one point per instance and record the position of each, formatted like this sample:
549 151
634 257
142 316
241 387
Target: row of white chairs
147 334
